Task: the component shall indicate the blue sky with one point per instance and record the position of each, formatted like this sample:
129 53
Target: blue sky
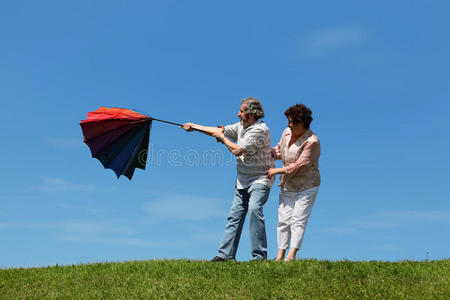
375 74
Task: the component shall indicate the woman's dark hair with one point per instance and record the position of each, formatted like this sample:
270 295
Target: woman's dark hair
299 114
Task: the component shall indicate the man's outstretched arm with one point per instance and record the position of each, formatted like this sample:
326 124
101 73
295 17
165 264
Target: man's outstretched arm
218 133
203 129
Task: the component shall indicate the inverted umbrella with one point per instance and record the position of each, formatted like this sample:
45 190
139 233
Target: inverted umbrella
119 138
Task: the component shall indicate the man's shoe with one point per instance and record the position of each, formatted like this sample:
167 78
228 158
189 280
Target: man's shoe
217 259
258 259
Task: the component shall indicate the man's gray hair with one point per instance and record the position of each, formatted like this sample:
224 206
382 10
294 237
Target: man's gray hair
253 106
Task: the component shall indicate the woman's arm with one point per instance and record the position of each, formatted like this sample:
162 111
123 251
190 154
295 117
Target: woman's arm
303 162
276 151
275 171
276 154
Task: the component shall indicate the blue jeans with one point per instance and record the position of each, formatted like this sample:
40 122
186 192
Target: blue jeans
249 200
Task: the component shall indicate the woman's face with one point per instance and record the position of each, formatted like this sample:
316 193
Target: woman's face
296 129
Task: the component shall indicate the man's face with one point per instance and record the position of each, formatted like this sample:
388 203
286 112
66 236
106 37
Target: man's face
242 115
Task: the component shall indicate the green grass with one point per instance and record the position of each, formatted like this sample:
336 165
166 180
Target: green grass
181 279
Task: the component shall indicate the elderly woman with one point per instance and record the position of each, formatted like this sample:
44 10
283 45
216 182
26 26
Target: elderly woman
299 149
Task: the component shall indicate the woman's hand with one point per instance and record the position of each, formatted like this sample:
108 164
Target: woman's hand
274 171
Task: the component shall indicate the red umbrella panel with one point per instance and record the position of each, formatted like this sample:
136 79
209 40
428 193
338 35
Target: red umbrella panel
118 138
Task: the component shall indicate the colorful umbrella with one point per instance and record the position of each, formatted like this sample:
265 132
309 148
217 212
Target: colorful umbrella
118 138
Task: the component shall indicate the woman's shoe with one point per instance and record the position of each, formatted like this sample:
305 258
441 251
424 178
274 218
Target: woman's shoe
276 259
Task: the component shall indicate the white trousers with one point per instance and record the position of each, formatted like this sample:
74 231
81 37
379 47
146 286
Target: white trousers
293 213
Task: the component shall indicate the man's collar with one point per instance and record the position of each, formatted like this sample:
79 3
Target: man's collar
259 121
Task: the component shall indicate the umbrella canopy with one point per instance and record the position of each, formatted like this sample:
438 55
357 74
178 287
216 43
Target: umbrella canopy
118 138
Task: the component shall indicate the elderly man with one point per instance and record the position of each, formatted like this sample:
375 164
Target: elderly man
249 141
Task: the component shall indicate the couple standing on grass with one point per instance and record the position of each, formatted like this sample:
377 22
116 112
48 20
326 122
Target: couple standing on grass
249 141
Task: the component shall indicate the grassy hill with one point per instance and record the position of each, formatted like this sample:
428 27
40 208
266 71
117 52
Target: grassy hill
184 279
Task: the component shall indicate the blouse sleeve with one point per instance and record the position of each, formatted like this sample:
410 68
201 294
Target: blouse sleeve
304 161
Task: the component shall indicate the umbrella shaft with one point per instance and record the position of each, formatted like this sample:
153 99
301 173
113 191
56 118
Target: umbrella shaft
175 124
167 122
